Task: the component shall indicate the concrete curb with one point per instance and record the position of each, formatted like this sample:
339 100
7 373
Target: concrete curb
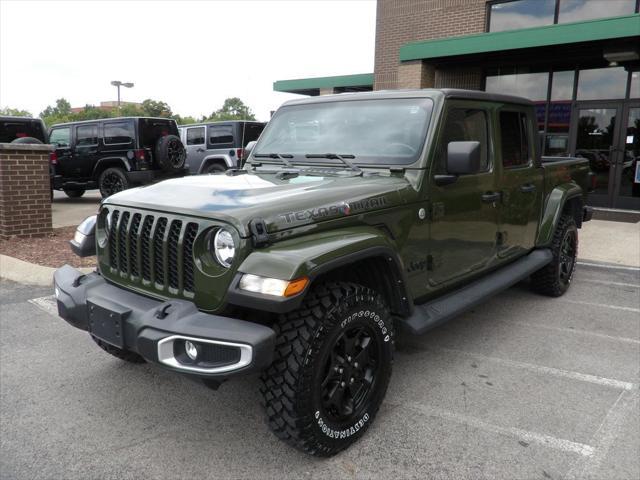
28 273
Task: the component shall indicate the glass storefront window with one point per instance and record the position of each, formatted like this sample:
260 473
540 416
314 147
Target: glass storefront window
529 85
635 85
630 176
562 85
581 10
602 83
521 14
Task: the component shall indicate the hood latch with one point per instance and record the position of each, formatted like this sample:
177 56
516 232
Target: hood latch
259 234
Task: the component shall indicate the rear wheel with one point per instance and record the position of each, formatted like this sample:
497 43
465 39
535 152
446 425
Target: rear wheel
125 355
73 193
213 168
554 279
112 180
331 369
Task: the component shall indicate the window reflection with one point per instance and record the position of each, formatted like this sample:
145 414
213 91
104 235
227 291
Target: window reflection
630 179
557 139
635 85
521 14
580 10
529 85
596 128
602 83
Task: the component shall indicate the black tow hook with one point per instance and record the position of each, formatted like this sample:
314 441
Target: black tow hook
163 312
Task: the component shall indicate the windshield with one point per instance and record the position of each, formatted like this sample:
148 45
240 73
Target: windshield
381 131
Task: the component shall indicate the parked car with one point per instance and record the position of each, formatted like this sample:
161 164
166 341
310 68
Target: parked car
114 154
217 146
356 215
22 130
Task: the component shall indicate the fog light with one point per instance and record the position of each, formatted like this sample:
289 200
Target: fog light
191 350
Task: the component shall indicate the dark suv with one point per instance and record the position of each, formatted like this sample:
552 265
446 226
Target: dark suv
217 146
22 130
114 154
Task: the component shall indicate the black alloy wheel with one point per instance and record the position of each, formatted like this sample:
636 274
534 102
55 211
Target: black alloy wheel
112 180
349 374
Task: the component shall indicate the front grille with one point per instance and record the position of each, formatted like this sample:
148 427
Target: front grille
153 250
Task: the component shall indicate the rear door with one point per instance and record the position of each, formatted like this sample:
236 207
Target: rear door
521 181
195 143
464 214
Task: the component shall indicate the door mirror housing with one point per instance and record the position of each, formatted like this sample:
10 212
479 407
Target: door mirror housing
463 158
249 148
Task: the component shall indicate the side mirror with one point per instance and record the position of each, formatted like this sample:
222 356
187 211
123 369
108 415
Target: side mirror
463 158
249 148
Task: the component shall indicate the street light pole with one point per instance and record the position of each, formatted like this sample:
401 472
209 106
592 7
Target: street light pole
118 84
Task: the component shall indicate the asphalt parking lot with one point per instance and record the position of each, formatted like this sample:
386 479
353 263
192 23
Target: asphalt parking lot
67 211
523 387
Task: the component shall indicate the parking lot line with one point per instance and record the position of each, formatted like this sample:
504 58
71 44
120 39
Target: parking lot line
556 372
573 330
605 436
604 282
608 266
520 434
603 305
48 304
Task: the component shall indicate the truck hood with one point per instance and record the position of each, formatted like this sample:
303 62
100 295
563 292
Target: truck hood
282 203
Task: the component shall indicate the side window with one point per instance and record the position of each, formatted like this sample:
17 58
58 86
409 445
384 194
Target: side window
222 134
60 137
118 133
514 133
195 136
463 125
86 135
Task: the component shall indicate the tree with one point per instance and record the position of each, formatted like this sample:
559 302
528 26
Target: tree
156 108
14 112
232 109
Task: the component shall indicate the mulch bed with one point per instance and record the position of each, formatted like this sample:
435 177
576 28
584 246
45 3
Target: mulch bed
49 251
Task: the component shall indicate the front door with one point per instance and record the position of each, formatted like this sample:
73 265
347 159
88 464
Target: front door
464 214
596 137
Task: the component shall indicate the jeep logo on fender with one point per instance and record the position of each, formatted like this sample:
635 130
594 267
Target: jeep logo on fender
342 208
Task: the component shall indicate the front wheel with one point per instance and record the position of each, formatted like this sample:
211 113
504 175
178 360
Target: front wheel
112 180
73 193
554 279
331 368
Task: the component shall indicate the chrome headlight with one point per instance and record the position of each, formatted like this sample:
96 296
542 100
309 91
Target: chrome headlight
224 247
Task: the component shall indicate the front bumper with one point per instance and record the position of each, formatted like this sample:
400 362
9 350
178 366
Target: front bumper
158 330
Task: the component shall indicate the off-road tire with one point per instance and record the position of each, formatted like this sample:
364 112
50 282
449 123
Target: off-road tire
74 193
554 279
125 355
214 168
27 141
170 153
291 388
112 180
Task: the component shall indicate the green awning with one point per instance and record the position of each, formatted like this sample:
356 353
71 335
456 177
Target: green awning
308 85
549 35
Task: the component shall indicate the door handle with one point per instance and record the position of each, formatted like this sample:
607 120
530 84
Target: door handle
491 197
200 150
527 188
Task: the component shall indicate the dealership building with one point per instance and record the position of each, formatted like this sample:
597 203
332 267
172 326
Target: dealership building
577 60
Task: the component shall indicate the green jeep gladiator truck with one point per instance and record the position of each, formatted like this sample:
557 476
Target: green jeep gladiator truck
355 216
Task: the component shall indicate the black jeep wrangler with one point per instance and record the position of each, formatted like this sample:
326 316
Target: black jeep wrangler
114 154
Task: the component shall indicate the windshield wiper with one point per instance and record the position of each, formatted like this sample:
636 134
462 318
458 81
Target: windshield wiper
334 156
277 156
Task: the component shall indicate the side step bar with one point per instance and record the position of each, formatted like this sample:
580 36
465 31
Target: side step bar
436 312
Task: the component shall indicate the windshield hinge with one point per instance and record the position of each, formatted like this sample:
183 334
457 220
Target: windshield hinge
259 234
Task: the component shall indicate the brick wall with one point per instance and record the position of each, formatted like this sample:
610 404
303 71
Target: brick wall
25 192
402 21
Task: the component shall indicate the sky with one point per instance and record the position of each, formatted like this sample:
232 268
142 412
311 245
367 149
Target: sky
190 54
